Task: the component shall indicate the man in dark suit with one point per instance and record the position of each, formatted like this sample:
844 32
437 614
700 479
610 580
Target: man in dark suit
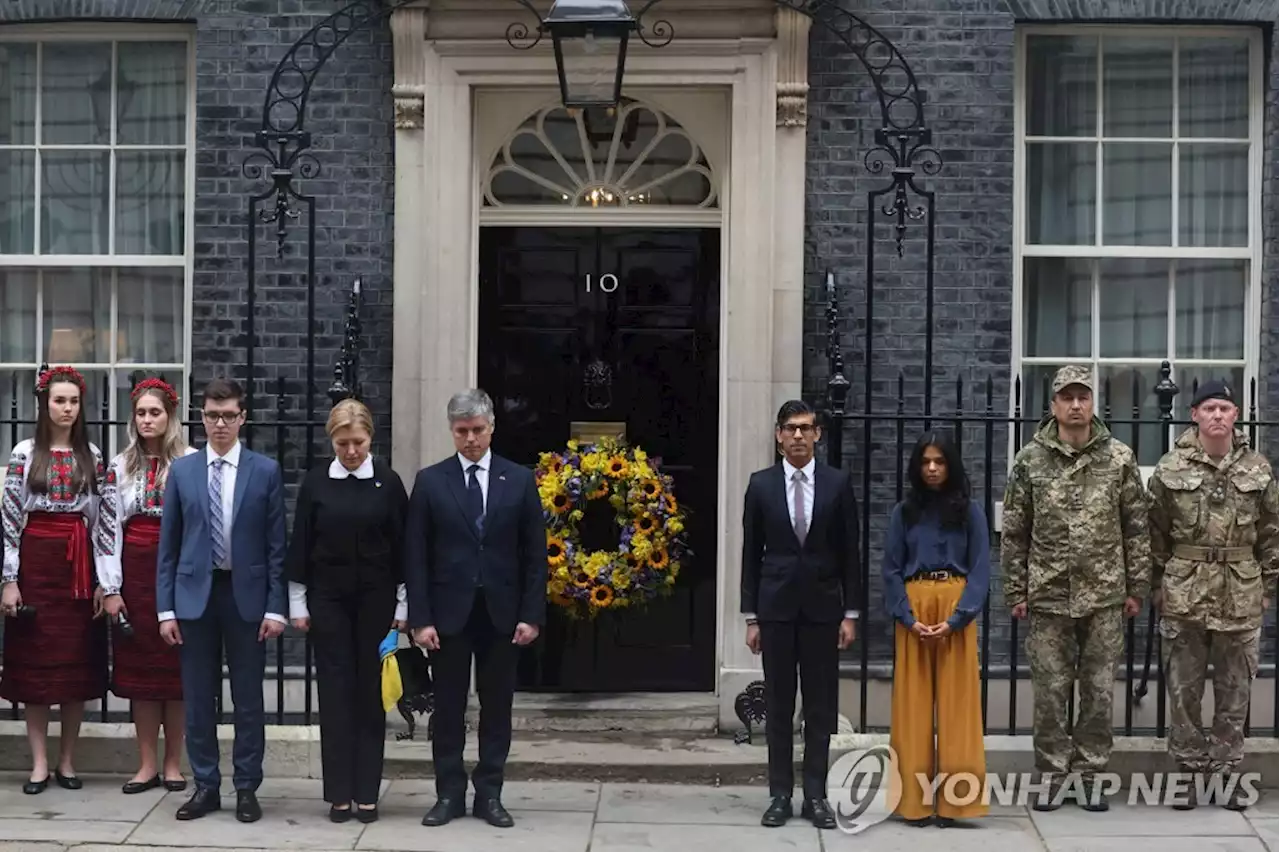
800 581
220 579
476 577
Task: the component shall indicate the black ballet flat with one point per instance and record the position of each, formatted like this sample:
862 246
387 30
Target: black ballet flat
68 782
34 788
133 787
337 814
175 786
367 815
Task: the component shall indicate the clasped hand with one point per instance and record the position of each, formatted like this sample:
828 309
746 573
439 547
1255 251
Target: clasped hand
931 631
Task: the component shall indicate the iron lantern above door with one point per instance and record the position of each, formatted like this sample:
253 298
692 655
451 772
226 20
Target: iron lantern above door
590 40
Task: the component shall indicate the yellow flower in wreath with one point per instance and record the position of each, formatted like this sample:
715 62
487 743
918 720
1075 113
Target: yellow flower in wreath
658 558
556 553
560 503
617 467
601 596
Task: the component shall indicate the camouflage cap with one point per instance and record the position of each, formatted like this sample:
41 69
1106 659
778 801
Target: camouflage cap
1074 374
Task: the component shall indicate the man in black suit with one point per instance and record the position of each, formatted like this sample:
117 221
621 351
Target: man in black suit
476 579
800 576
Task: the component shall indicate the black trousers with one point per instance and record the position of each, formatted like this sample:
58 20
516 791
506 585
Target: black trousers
813 649
496 659
347 626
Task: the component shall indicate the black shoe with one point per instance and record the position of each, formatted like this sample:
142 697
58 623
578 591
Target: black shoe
818 812
367 815
175 786
68 782
201 803
444 811
492 812
34 788
337 814
1094 799
247 807
778 812
1237 799
1049 800
133 787
1192 800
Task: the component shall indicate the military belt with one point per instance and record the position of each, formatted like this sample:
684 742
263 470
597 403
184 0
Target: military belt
1212 554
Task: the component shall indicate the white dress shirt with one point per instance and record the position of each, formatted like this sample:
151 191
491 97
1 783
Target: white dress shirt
231 462
788 477
482 475
298 591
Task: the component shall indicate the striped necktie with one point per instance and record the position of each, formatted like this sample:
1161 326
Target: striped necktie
218 543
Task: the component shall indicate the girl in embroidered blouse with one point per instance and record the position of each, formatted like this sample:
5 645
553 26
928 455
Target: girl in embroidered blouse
145 669
936 573
54 642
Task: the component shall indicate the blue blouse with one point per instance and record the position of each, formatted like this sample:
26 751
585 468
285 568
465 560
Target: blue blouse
928 546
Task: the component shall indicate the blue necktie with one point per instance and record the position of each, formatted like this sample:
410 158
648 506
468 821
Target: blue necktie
475 499
218 544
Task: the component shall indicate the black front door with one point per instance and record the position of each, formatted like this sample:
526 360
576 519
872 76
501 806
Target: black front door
613 325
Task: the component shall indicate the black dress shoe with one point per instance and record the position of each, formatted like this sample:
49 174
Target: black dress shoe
818 812
247 807
133 787
367 815
444 811
33 788
68 782
492 812
176 786
778 812
201 803
337 814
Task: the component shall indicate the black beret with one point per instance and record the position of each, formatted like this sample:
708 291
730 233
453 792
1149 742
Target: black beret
1213 389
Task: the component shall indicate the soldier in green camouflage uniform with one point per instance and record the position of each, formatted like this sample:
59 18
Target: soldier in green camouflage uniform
1214 547
1076 559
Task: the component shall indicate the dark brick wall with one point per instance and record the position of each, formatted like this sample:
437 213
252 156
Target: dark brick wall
962 53
238 43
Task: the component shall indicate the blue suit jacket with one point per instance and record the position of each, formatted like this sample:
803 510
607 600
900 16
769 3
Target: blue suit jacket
184 565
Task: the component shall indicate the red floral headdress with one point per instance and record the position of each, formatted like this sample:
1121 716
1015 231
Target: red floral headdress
155 384
60 374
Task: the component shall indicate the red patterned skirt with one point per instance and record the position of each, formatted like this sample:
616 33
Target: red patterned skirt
59 654
144 668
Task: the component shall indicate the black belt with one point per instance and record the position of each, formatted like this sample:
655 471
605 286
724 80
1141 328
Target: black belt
933 575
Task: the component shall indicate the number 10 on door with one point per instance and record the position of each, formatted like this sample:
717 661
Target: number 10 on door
607 283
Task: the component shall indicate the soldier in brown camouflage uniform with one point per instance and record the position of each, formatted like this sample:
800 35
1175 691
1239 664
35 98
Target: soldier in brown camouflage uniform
1215 553
1076 559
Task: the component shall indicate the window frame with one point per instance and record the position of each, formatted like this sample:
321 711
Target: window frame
1251 254
38 263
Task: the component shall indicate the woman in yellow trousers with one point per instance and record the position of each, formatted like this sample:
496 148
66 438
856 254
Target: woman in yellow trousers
936 573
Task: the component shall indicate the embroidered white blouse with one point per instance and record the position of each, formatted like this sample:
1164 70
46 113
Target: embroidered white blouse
298 591
17 500
122 498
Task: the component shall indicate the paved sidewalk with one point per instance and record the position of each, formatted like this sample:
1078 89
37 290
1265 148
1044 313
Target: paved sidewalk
586 817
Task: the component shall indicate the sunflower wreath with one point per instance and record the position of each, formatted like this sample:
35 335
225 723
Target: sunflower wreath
651 542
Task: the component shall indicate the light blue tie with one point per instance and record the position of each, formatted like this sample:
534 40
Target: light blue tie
218 543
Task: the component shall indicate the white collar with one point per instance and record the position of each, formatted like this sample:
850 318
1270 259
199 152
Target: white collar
232 457
484 462
791 469
339 471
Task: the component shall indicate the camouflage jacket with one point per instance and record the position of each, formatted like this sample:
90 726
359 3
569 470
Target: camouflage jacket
1229 504
1074 529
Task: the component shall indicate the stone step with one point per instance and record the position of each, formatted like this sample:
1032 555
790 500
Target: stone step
634 712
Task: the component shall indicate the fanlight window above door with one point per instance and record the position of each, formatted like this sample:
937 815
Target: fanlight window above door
634 155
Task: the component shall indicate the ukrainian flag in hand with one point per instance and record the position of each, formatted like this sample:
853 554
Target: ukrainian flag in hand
392 686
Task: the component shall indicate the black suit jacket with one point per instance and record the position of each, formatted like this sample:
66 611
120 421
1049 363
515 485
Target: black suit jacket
445 558
784 581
